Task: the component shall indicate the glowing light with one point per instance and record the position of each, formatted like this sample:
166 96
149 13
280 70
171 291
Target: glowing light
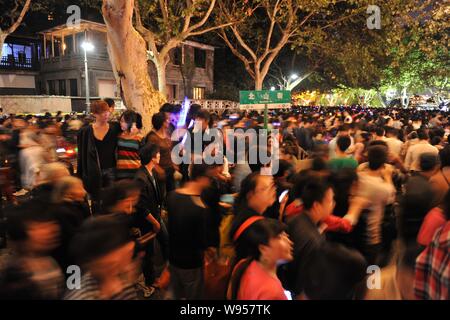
185 106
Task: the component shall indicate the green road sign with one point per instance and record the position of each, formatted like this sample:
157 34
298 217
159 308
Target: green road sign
275 99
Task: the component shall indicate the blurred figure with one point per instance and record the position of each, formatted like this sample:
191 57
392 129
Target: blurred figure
397 280
31 158
30 272
188 235
256 195
104 251
70 210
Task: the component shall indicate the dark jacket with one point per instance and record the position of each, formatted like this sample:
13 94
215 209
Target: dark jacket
150 200
88 164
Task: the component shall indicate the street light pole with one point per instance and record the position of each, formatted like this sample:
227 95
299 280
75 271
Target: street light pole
86 76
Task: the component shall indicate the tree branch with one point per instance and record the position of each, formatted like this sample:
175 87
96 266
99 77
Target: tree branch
222 34
16 24
205 17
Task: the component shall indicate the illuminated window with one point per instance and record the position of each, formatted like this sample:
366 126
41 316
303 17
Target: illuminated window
198 93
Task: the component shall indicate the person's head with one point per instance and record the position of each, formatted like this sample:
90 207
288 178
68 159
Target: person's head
121 197
201 174
32 228
377 156
103 247
111 104
343 130
175 114
379 132
428 162
257 192
318 199
101 111
150 153
422 134
266 240
127 119
160 121
391 132
444 156
343 143
203 117
69 189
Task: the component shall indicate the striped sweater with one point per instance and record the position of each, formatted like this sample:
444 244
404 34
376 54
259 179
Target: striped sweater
128 161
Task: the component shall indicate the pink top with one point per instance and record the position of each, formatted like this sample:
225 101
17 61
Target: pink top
434 219
257 284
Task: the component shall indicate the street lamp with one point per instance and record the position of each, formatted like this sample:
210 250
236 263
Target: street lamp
87 46
272 88
294 76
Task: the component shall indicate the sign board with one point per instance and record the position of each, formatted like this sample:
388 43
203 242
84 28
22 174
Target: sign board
274 99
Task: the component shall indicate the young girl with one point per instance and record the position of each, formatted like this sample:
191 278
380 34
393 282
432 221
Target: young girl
255 278
128 145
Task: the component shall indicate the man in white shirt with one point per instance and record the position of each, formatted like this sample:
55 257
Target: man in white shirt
393 142
412 160
342 132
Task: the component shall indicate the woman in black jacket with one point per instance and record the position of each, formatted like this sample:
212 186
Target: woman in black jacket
97 144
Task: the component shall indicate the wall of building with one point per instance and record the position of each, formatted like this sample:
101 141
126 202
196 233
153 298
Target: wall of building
35 104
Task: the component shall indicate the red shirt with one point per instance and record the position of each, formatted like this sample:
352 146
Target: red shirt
434 219
257 284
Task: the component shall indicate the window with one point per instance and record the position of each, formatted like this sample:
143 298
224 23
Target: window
177 56
73 87
200 58
198 93
51 87
171 90
62 87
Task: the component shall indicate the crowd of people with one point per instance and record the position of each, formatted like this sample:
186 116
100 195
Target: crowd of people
358 206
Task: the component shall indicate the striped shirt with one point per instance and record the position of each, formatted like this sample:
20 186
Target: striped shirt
128 161
89 290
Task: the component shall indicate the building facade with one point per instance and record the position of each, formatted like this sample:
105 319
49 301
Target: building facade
52 63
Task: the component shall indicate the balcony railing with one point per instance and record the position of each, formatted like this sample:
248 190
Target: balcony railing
212 104
10 62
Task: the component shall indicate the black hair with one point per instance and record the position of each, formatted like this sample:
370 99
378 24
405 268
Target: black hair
377 156
283 167
343 143
203 114
200 170
248 184
158 120
318 164
166 107
444 156
422 134
20 216
446 205
379 131
148 152
428 161
97 237
117 192
314 191
130 117
407 258
299 180
110 102
342 181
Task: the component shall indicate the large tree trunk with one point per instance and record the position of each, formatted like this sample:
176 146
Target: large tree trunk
161 71
128 55
259 79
